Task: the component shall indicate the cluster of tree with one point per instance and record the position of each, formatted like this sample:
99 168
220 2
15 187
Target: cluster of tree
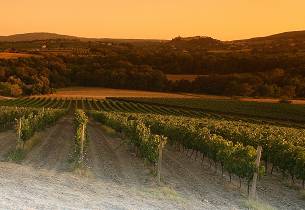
276 83
29 76
97 71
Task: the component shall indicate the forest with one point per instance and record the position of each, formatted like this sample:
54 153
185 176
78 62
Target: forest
264 67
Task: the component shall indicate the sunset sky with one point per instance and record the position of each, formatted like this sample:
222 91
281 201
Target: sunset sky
161 19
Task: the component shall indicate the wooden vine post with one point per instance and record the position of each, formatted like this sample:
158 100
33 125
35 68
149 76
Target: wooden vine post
19 140
161 146
252 194
82 140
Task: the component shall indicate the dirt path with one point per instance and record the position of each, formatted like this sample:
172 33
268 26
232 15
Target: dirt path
109 159
54 150
192 179
7 143
197 179
23 187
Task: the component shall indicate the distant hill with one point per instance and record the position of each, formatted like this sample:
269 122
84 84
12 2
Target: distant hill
297 35
34 36
195 42
50 36
288 42
276 43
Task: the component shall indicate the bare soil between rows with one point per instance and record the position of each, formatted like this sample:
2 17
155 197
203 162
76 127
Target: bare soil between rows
7 143
117 179
55 147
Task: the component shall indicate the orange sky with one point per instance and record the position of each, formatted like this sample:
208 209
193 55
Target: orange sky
223 19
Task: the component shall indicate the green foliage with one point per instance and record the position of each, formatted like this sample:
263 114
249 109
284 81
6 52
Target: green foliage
231 143
16 155
274 111
80 122
284 147
139 134
9 89
103 105
236 158
37 121
8 115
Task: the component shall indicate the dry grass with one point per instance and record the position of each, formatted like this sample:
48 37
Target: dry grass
302 194
20 153
257 205
4 97
6 55
271 100
109 131
177 77
101 93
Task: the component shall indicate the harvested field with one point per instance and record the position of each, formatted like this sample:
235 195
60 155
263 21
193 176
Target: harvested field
178 77
272 100
6 55
91 92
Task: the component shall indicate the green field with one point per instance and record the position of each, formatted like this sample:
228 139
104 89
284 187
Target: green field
100 105
289 113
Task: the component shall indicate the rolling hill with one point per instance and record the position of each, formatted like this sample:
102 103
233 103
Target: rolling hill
27 37
35 36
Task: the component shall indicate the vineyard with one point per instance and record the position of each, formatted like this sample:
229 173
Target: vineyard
99 105
271 111
155 133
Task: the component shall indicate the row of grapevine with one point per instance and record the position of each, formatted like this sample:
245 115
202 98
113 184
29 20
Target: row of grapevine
235 158
285 113
282 146
81 134
8 115
26 126
137 132
99 105
37 102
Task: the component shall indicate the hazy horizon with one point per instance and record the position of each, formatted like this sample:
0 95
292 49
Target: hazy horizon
195 35
225 20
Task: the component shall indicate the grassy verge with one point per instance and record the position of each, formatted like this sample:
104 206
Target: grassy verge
18 154
256 205
302 194
109 131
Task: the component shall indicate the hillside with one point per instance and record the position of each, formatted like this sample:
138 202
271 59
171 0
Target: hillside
35 36
196 40
280 42
297 35
28 37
